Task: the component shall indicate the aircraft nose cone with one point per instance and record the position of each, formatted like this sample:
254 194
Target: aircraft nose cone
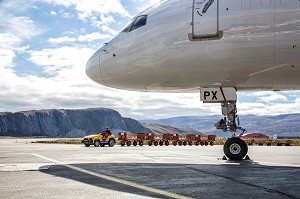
92 68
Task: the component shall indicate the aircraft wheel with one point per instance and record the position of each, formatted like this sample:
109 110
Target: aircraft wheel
97 143
235 148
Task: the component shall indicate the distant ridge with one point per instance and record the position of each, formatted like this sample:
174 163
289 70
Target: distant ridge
287 125
73 123
66 122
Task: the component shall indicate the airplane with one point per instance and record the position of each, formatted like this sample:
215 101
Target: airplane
215 47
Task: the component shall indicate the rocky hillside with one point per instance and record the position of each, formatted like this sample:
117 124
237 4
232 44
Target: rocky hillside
282 125
159 129
75 123
66 123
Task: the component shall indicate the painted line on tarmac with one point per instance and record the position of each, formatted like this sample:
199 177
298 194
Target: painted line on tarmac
276 164
113 179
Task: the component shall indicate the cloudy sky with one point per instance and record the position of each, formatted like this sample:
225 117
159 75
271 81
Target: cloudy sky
45 44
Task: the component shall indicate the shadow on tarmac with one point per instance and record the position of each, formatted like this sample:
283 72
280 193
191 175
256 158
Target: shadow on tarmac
244 180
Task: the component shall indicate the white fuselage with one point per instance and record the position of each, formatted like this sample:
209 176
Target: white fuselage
257 47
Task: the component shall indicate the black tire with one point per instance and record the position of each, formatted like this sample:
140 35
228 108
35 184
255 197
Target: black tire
190 143
184 143
97 143
111 142
141 143
180 143
155 143
150 143
235 148
202 143
167 143
161 143
211 143
197 143
123 143
206 143
174 143
87 145
102 145
134 143
128 143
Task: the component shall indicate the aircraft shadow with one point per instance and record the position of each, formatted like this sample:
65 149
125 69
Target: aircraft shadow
246 180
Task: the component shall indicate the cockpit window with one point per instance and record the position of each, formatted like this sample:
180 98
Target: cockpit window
139 22
128 25
135 23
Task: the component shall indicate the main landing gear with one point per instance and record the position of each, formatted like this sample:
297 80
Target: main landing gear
234 148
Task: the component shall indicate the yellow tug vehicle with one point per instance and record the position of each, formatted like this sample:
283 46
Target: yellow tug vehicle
99 140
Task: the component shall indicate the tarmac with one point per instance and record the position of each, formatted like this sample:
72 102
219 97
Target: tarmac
31 170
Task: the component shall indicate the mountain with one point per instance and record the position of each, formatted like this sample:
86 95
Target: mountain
282 125
159 129
75 123
66 123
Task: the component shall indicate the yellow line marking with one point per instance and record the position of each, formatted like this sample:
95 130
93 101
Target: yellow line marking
113 179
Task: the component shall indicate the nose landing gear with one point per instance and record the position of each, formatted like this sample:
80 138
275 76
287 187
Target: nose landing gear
234 148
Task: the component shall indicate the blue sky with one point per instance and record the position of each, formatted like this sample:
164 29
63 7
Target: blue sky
45 44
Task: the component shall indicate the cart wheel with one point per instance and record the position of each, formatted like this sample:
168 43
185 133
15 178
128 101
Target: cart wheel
202 143
190 143
174 143
97 143
87 145
206 143
197 143
141 143
134 143
123 143
167 143
150 143
155 143
211 143
128 143
184 143
179 143
161 143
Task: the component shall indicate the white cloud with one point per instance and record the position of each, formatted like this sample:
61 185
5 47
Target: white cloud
274 97
90 8
53 13
55 60
60 40
93 36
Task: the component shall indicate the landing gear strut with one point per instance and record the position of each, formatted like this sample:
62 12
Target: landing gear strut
234 148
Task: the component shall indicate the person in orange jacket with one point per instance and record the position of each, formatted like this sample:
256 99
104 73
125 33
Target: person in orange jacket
106 133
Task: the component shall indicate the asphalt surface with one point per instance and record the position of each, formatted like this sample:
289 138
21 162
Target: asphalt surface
30 170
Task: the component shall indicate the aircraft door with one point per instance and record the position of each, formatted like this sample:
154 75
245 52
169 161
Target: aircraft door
205 20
